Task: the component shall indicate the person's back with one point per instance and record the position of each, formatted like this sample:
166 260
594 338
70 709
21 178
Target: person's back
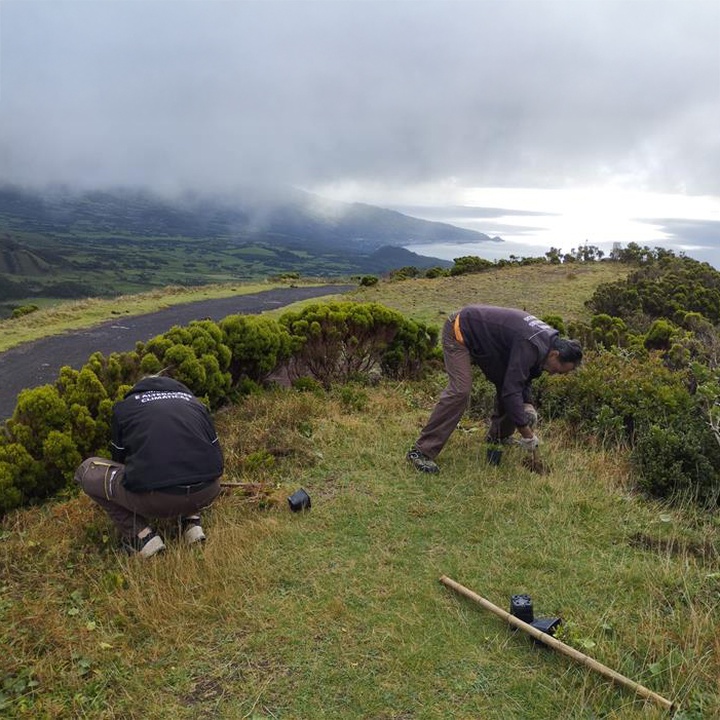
493 334
164 436
166 463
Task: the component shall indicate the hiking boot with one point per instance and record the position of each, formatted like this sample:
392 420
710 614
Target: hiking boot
147 546
192 530
420 461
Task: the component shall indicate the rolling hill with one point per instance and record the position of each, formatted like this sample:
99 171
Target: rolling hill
63 243
288 219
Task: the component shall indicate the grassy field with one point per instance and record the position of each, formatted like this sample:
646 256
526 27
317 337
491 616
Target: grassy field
540 289
338 612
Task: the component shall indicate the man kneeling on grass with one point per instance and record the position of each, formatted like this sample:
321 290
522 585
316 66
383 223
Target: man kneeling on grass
512 348
166 463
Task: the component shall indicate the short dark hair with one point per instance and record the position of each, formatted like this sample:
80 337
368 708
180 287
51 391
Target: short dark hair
568 350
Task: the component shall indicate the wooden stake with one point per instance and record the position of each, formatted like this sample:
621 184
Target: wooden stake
558 645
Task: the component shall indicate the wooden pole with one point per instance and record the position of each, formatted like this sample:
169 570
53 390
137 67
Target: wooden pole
560 646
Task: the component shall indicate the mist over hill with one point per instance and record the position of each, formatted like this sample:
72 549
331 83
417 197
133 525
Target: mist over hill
290 218
61 243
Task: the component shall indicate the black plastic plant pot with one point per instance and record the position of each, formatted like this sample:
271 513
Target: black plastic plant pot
299 500
547 624
522 608
494 456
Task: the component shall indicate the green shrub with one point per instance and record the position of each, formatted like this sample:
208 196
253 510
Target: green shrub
337 339
196 356
87 390
38 411
258 346
259 460
608 331
404 273
556 322
638 390
679 462
116 370
11 496
413 344
243 388
150 365
482 397
470 264
308 384
616 299
281 277
23 310
660 335
20 476
665 287
86 432
637 401
352 397
368 280
39 447
436 272
61 454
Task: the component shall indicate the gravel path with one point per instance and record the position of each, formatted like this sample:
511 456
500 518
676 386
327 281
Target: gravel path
39 362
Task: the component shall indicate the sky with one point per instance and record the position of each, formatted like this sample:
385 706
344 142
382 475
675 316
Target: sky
550 123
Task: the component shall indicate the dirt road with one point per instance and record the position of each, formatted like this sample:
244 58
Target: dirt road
38 363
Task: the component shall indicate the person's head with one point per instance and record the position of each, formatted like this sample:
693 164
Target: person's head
564 356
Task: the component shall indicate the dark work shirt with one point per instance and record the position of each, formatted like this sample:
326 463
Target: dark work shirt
510 346
165 436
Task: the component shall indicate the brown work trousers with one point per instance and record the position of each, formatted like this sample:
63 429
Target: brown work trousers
102 479
455 397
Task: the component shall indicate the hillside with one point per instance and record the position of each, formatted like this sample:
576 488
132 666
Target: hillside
291 216
338 612
65 244
18 260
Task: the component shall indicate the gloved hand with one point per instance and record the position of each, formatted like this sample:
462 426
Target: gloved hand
528 443
530 415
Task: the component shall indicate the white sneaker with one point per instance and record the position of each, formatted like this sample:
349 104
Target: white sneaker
193 532
151 544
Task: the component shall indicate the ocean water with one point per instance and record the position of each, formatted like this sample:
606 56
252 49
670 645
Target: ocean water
533 236
488 250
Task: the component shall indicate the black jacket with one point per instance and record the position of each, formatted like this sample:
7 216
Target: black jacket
510 347
165 436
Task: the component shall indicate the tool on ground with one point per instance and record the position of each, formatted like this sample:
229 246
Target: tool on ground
558 645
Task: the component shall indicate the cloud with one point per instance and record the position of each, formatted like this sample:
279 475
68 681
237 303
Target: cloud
693 233
453 212
216 94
